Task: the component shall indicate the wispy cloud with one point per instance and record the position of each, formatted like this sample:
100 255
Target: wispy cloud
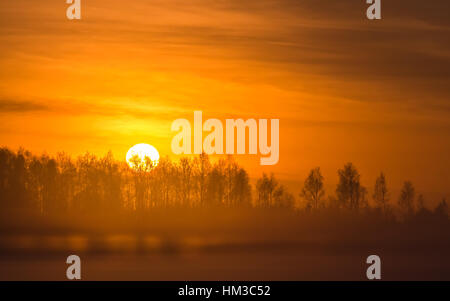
11 106
332 77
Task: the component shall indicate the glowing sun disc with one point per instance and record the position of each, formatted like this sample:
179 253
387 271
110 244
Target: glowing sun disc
141 155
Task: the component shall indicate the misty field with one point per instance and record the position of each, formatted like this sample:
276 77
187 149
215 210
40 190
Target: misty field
202 220
225 244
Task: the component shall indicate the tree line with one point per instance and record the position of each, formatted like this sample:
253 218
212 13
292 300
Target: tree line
352 195
48 184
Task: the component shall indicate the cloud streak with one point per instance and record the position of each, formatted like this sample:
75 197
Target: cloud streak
332 77
11 106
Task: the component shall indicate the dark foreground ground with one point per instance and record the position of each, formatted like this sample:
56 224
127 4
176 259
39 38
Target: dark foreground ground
223 266
226 245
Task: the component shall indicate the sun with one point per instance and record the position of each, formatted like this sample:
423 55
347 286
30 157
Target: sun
142 156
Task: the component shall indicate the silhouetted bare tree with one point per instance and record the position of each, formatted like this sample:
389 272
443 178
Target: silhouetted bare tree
186 179
350 193
265 187
442 209
272 194
381 193
420 202
202 166
312 191
406 199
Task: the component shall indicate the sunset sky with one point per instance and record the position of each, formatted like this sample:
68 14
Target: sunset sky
344 88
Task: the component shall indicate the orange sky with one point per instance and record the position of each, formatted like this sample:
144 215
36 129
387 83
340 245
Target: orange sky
344 88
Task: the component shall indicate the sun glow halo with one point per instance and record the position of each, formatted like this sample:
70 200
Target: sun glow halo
142 156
